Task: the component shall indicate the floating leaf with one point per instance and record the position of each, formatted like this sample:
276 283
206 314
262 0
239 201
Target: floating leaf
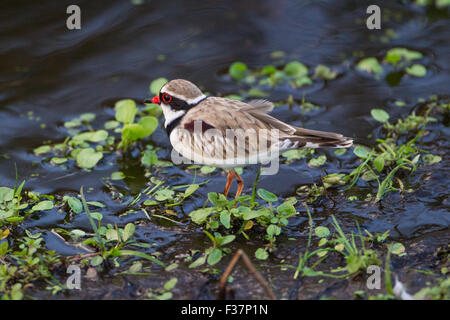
317 162
125 110
340 152
416 70
118 175
257 93
87 158
380 115
77 233
431 159
43 205
398 249
296 69
323 72
361 152
207 169
111 124
42 150
370 65
396 54
164 194
89 116
261 254
75 204
157 84
237 70
297 153
57 160
149 123
99 135
322 232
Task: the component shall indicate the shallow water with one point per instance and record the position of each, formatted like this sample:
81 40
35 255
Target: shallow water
59 74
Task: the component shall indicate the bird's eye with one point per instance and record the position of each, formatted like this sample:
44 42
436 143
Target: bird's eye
166 98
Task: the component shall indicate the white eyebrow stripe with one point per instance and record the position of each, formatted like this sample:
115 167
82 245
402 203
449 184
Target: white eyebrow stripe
188 101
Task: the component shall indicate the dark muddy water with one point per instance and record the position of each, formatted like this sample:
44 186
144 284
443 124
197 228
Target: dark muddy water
59 74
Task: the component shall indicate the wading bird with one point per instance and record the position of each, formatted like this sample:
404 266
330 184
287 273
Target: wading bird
227 133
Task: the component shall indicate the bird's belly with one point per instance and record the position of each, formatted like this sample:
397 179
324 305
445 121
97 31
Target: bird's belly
218 151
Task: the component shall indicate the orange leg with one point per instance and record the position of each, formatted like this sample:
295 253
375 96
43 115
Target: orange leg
230 177
240 184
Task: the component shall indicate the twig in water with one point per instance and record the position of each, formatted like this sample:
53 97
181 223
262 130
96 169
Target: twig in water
224 278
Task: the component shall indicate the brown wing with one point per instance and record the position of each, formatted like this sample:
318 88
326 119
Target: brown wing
223 113
245 121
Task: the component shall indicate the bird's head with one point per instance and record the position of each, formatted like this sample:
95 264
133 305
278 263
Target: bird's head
176 97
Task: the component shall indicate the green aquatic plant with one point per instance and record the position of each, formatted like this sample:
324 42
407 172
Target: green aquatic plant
132 131
11 204
390 155
294 73
86 146
396 63
225 215
357 259
111 241
20 267
163 293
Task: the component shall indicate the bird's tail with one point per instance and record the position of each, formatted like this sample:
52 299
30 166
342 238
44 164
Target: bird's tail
318 139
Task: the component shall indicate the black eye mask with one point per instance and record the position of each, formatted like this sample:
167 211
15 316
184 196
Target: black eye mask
175 103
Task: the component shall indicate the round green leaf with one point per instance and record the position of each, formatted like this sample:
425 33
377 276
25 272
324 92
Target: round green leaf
322 232
380 115
157 84
87 158
75 204
370 65
96 261
125 110
149 124
296 69
361 152
237 70
261 254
